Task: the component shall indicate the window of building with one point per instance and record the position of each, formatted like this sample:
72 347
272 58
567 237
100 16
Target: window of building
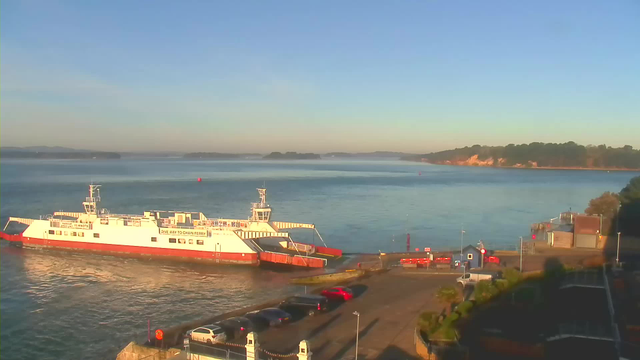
154 239
96 235
200 242
469 256
190 241
172 240
52 232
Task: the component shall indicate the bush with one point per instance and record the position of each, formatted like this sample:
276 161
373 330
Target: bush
447 330
447 295
485 290
464 308
428 321
512 276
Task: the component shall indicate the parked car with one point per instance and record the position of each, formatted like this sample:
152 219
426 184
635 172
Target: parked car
209 334
310 304
338 293
269 316
236 327
472 278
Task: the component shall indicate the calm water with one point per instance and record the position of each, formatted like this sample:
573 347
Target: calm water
81 306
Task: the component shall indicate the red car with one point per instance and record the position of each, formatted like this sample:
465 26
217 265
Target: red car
338 293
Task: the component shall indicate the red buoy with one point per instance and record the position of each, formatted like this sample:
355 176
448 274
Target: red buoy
199 179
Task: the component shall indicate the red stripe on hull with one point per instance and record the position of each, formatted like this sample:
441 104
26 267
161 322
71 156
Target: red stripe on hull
136 251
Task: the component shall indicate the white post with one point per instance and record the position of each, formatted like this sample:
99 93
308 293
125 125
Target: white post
618 251
357 331
304 350
252 346
464 269
520 253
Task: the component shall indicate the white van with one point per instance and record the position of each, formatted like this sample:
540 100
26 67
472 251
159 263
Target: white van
471 278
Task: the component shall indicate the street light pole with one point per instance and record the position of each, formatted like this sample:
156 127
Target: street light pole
618 252
464 269
357 331
520 253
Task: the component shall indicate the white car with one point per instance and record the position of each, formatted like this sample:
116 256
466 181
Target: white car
473 278
208 334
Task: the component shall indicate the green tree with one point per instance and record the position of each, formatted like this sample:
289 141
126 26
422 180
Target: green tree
606 205
485 290
630 208
448 295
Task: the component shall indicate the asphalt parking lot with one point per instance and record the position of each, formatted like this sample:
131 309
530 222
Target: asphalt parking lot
389 305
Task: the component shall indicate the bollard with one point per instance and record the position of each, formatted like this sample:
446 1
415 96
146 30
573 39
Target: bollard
252 346
304 352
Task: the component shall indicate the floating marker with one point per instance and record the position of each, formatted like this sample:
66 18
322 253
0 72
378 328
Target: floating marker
199 179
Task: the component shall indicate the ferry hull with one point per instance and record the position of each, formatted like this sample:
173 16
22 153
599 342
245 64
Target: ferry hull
135 251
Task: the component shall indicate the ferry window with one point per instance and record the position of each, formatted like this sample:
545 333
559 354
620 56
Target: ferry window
58 232
181 241
154 239
172 240
96 235
66 233
200 242
52 232
190 241
470 256
73 233
81 234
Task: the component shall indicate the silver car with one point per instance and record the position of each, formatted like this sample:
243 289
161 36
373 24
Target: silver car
209 334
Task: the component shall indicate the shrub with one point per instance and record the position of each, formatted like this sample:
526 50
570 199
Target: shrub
464 308
485 290
512 276
447 295
428 321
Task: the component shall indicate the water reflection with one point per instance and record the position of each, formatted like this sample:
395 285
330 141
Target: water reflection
88 296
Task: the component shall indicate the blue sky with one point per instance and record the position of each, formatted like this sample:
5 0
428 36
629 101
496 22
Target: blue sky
412 76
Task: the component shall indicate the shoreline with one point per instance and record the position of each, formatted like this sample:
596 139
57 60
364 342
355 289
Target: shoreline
531 168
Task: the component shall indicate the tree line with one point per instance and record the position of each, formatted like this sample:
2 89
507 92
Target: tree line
568 154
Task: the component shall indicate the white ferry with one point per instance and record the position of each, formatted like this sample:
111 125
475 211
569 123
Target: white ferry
189 236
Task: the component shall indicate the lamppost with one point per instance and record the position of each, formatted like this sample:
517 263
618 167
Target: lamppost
618 252
520 253
464 269
357 331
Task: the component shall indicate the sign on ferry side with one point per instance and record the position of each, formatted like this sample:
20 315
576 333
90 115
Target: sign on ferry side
183 232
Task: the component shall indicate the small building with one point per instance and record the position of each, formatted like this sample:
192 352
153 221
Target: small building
470 255
587 229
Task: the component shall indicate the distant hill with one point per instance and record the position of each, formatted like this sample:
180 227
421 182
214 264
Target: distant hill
98 155
47 149
538 155
375 154
217 156
291 156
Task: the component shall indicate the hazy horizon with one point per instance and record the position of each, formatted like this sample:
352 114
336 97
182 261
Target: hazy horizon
412 77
